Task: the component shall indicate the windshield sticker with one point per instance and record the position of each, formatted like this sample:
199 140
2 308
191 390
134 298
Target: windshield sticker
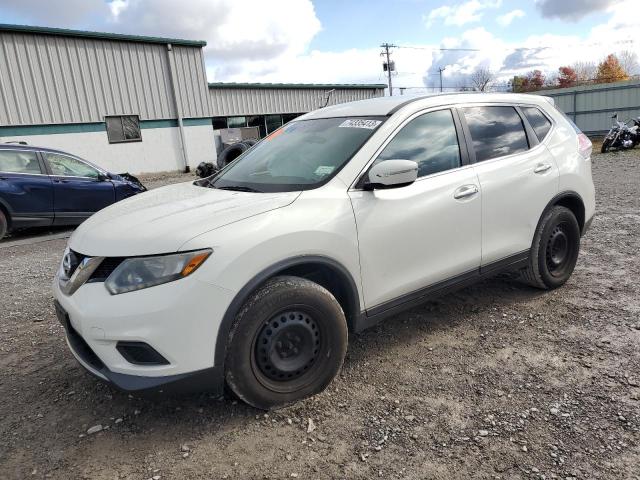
324 169
360 123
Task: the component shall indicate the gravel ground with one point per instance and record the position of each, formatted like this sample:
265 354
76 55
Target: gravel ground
496 381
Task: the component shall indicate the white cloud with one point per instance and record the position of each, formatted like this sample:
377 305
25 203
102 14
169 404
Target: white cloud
461 14
234 29
506 19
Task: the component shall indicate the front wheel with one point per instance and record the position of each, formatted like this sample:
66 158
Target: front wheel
555 249
606 145
287 343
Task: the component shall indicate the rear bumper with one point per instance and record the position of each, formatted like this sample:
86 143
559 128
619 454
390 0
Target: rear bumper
207 380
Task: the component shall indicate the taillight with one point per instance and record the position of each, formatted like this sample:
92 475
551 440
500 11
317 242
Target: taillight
584 146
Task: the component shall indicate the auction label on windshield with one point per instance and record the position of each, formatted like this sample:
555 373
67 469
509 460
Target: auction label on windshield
360 123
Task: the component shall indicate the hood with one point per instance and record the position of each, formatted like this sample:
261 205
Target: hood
163 219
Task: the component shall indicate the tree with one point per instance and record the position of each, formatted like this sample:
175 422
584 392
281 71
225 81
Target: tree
585 71
532 81
567 77
610 70
629 62
481 79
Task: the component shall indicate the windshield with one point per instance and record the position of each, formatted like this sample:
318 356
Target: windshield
299 156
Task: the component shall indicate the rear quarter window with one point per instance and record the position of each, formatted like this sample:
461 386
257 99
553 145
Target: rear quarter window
538 121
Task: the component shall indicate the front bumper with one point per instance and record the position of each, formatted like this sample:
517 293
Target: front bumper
179 320
209 379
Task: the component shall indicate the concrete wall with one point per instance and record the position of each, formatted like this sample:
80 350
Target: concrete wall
158 151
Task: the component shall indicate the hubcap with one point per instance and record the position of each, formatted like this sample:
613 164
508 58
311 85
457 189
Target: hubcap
287 346
557 249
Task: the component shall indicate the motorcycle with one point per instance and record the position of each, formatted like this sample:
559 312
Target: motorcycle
621 136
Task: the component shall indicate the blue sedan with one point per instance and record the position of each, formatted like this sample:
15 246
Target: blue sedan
43 187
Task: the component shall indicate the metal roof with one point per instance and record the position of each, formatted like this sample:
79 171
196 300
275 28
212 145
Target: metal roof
298 85
63 32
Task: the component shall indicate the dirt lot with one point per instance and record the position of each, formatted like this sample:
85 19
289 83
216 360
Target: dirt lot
496 381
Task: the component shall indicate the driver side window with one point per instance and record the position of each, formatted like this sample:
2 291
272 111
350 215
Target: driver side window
430 140
64 166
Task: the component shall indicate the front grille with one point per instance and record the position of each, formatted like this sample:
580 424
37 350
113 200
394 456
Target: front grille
81 347
105 269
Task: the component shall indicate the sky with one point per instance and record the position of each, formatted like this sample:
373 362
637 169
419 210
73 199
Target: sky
338 41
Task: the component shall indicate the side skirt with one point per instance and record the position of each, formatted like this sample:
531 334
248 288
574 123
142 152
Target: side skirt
390 308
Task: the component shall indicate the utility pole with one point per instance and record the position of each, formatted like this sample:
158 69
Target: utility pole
440 70
388 66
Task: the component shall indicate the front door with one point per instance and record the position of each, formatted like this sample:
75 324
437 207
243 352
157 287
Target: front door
425 233
79 190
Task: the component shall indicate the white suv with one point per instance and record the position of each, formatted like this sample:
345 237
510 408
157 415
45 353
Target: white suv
337 220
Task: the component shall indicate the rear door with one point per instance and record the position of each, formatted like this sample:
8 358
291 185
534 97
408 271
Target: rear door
79 189
26 190
518 177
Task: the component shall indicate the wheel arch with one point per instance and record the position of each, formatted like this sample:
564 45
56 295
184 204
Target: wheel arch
573 201
325 271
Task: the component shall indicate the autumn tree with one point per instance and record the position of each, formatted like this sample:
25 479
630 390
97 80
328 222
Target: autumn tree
567 77
481 79
610 70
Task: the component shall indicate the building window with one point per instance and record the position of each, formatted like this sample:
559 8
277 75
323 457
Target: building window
274 122
287 117
124 128
219 123
236 122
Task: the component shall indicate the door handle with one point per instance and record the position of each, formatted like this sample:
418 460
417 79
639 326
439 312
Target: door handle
541 168
465 191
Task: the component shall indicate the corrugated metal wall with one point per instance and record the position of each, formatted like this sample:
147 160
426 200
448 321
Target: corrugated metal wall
46 79
227 101
591 106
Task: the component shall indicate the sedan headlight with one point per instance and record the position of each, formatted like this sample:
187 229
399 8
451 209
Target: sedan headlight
144 272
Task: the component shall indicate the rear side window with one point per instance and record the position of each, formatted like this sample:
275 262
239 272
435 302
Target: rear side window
495 131
12 161
538 121
430 140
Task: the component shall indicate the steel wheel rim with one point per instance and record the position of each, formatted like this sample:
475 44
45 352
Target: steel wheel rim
286 348
559 250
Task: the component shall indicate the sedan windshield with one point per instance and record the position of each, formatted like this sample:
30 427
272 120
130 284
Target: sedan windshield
299 156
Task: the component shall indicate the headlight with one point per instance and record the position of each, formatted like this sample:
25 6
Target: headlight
144 272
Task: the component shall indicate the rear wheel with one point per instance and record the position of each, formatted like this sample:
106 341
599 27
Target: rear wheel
287 343
555 249
4 225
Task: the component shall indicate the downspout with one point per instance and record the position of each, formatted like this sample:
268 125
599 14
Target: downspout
178 106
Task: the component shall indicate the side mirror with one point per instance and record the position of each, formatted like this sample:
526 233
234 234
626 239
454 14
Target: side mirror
391 173
102 177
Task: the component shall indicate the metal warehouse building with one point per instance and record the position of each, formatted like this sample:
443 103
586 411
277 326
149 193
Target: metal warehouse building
132 103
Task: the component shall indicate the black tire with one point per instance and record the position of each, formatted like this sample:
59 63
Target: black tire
267 371
606 145
250 142
4 225
555 249
230 153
